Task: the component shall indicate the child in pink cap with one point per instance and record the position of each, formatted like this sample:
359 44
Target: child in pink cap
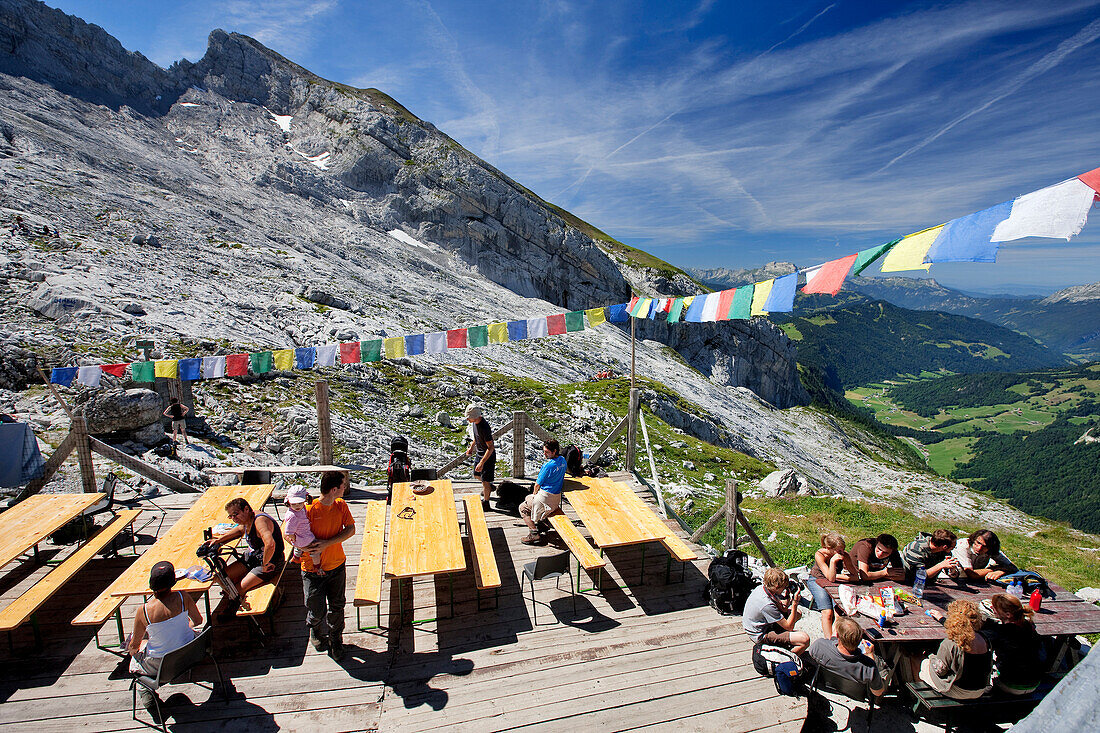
296 526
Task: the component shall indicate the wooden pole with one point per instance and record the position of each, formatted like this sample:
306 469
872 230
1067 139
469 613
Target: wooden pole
519 443
84 454
632 428
652 466
709 524
52 464
610 439
732 510
632 327
140 467
324 424
756 540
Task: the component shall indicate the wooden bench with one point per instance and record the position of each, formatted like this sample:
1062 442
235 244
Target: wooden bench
582 550
992 707
677 550
368 582
264 599
486 574
27 605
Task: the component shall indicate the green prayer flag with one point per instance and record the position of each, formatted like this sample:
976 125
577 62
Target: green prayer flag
370 350
142 371
676 309
260 362
865 258
477 336
574 321
741 306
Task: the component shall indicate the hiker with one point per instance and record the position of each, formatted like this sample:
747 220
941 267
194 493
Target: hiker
844 657
961 666
980 557
163 624
1017 647
833 564
546 499
176 412
482 445
931 551
771 613
265 558
877 558
324 586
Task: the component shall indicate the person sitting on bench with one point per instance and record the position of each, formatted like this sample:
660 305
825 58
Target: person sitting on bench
961 666
265 558
843 656
771 613
1016 645
877 558
980 557
164 623
546 499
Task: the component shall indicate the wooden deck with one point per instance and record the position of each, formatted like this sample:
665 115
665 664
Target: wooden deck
645 656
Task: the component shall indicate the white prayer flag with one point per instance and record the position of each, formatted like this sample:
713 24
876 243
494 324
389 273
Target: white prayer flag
710 307
435 343
536 327
89 376
213 367
1057 212
326 355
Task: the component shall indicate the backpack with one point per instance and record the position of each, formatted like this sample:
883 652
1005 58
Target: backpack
1031 581
511 493
730 583
777 662
574 460
399 469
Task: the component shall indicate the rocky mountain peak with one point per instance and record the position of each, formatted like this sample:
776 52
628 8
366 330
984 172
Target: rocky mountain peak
1075 294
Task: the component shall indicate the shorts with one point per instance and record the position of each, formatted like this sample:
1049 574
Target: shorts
488 473
776 635
179 425
822 600
540 506
254 563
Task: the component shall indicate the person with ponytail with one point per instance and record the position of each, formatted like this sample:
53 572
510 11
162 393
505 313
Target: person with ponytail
1016 645
961 666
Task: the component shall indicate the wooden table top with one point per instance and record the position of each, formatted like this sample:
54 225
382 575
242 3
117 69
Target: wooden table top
179 543
239 470
424 538
36 518
1065 615
612 512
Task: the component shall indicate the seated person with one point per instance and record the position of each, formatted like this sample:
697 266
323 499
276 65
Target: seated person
1016 645
980 557
265 558
877 558
546 499
843 656
771 613
163 624
831 563
961 666
932 552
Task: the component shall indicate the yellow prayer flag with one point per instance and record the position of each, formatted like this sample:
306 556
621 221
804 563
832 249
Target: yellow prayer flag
395 347
498 333
909 253
167 368
283 359
760 294
596 316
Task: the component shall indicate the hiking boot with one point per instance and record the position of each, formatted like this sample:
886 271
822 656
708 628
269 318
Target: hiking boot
336 646
485 505
534 539
149 700
320 643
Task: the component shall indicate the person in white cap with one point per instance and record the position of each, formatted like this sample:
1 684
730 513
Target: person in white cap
296 526
486 464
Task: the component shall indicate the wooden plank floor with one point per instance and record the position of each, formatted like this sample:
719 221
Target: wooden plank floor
641 655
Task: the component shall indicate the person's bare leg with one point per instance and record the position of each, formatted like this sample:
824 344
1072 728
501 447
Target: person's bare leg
249 582
801 640
486 490
827 623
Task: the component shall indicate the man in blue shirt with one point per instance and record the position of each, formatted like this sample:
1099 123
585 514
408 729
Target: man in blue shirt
546 499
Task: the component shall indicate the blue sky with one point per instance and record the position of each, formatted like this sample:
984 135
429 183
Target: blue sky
718 133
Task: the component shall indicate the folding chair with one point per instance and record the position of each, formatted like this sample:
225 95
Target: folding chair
544 568
176 664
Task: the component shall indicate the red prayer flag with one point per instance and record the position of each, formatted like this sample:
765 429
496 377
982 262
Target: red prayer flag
456 338
555 325
830 277
349 352
115 370
1091 179
725 300
236 365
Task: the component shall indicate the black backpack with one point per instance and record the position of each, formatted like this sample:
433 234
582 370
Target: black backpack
730 583
574 460
510 493
399 469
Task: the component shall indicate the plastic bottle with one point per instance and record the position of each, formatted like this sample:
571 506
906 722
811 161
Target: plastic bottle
1017 590
1036 600
882 618
918 582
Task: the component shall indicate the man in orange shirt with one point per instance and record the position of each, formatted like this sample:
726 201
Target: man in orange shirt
325 591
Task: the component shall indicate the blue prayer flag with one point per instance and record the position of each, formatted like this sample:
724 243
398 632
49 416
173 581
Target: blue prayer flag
967 239
63 375
190 369
781 297
618 313
414 344
517 330
305 357
695 310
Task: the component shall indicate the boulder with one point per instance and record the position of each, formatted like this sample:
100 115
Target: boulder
785 483
123 410
151 434
17 368
1092 595
315 294
443 419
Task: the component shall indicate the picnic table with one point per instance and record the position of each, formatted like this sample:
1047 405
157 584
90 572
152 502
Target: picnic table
424 537
34 519
240 470
179 543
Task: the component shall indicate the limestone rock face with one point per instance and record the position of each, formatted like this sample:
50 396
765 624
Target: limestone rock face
122 410
17 368
785 483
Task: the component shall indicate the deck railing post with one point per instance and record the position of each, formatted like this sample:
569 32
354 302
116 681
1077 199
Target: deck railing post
84 454
732 509
324 424
519 444
632 428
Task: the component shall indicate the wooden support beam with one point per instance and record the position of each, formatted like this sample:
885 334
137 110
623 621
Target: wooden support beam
140 467
462 457
84 454
615 433
733 508
709 524
50 468
540 432
519 444
56 395
653 467
756 540
324 424
632 429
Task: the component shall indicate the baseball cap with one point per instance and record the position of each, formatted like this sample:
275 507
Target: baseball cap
162 576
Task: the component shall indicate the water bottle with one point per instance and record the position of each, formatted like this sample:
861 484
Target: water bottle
918 582
1016 590
1036 600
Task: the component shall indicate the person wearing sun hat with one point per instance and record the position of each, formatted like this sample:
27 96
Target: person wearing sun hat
165 622
482 444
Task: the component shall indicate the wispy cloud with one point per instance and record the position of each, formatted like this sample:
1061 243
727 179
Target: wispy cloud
287 26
